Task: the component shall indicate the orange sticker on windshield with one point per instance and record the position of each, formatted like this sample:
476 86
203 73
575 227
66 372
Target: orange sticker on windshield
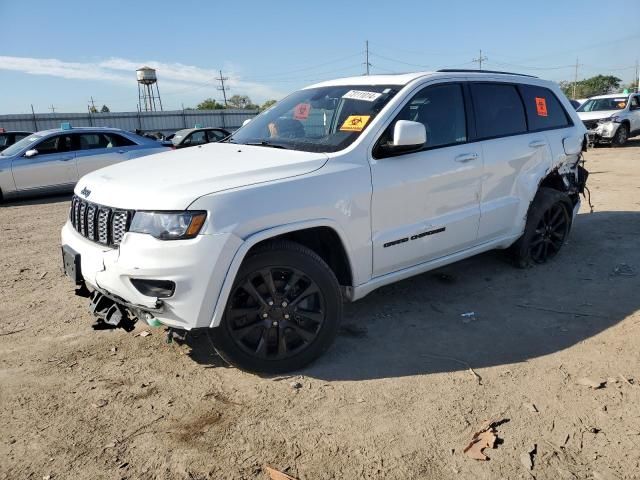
541 106
355 123
301 112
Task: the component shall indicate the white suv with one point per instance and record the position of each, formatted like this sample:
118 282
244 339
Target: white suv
338 189
611 118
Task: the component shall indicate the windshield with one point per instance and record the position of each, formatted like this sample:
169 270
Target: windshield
602 104
179 135
324 119
16 147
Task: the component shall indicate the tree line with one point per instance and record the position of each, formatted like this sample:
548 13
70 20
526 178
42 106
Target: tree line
598 85
242 102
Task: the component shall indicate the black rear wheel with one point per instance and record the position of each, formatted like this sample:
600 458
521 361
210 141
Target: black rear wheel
548 225
283 310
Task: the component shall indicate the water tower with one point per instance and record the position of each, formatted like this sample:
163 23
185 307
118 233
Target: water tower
148 98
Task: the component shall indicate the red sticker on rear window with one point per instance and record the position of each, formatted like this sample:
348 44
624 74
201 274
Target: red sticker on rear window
301 111
541 106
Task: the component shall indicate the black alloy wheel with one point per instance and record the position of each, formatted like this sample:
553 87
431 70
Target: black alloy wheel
283 312
550 233
275 313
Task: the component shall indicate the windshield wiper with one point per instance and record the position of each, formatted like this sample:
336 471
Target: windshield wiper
264 143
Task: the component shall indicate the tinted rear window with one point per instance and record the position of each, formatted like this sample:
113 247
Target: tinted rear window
543 108
498 110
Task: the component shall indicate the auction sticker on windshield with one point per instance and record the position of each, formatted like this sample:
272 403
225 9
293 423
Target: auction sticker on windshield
362 95
355 123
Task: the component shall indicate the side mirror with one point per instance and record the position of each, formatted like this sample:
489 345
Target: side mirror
246 121
409 135
31 153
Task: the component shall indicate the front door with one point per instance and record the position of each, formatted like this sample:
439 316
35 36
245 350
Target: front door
426 204
53 167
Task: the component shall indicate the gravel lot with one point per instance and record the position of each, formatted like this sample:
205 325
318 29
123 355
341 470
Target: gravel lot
395 397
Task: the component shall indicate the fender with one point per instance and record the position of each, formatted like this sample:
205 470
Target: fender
260 236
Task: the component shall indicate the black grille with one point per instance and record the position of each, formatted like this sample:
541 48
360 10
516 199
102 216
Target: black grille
590 124
99 223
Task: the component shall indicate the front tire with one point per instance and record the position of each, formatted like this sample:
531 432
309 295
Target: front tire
283 311
621 136
547 228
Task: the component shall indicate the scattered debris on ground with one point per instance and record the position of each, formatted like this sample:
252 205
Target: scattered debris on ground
485 437
277 474
588 382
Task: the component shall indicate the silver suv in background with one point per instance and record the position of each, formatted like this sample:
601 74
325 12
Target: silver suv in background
52 161
612 118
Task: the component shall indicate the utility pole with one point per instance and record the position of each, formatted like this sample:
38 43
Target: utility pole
52 108
35 123
575 79
366 56
637 77
479 60
224 89
93 106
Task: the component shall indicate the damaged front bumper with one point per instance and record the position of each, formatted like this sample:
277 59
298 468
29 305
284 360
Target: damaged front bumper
196 268
602 132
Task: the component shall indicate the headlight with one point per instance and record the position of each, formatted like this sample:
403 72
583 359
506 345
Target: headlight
614 118
168 225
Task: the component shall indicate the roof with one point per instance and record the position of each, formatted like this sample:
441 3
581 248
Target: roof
406 78
612 95
83 129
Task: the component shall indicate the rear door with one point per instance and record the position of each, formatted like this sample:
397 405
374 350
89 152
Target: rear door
425 204
101 149
513 157
546 116
634 117
53 167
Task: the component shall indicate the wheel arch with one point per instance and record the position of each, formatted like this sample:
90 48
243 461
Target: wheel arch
313 234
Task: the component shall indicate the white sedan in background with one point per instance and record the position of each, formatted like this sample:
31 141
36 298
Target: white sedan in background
52 161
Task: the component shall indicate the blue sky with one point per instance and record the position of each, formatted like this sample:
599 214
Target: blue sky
62 52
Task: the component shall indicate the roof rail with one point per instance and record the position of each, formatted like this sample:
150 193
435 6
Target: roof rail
459 70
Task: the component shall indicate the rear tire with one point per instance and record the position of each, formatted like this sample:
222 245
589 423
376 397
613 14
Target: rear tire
283 311
548 225
621 136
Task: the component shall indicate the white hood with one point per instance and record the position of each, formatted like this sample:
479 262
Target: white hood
173 180
597 115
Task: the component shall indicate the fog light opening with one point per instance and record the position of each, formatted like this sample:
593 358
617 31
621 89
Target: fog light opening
154 288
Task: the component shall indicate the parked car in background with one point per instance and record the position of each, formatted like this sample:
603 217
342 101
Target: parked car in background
575 103
340 188
52 161
612 118
9 138
190 137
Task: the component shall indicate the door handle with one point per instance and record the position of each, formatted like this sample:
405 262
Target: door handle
537 143
466 157
66 159
122 151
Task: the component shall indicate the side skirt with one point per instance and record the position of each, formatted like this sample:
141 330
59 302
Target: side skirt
360 291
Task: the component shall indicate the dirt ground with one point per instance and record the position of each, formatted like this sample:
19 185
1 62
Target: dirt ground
394 398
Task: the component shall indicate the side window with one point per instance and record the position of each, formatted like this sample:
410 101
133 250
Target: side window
116 140
441 109
498 110
215 135
635 102
543 108
90 141
196 138
55 144
4 139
